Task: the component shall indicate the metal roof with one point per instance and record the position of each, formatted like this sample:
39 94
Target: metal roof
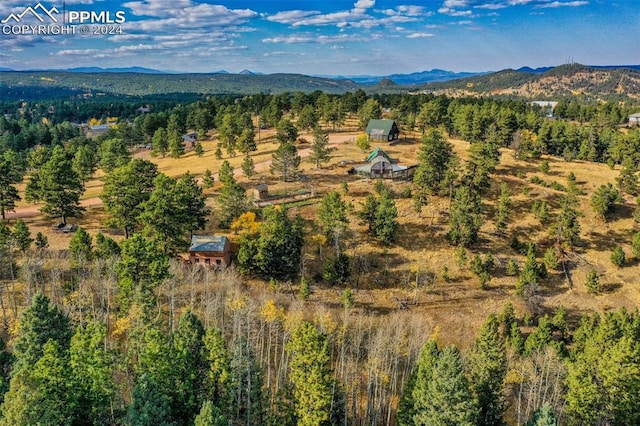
378 124
215 243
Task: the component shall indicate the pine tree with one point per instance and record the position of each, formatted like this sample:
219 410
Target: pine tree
465 217
58 186
149 405
448 398
544 416
42 242
91 369
487 371
232 201
142 267
198 150
40 323
435 158
566 230
604 201
124 192
113 153
188 361
85 162
386 218
618 257
11 172
81 246
248 167
218 376
319 148
105 247
530 275
210 415
207 179
332 215
310 374
415 399
286 162
503 210
22 236
160 142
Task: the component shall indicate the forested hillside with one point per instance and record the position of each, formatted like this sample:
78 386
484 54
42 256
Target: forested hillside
566 80
497 285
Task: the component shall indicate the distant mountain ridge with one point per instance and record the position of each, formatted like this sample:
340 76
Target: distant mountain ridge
599 82
544 83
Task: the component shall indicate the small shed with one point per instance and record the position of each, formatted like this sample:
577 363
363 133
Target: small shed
261 192
634 119
210 250
190 139
383 130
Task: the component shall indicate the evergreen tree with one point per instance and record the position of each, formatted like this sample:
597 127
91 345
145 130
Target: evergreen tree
85 162
416 394
628 178
58 186
160 142
604 201
320 151
42 242
113 153
566 230
174 136
40 323
503 210
275 251
448 397
487 371
105 247
248 166
386 218
310 374
217 380
544 416
232 201
125 191
11 173
188 368
210 415
618 257
149 405
198 150
530 275
22 236
90 367
286 162
207 179
465 217
332 215
80 246
247 141
141 268
434 160
193 211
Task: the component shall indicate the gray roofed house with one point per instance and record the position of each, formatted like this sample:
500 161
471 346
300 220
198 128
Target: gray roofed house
381 130
634 119
210 250
380 165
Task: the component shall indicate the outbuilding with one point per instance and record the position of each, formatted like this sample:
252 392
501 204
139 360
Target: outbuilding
210 250
383 130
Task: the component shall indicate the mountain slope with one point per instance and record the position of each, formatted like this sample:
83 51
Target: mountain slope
565 80
138 84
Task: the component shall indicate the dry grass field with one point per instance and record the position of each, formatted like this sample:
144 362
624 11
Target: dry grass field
410 268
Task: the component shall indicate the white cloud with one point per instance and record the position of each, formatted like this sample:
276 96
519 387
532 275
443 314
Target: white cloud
364 4
454 12
291 16
314 38
420 35
555 4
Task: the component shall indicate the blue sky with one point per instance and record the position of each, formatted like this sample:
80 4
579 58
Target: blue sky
336 37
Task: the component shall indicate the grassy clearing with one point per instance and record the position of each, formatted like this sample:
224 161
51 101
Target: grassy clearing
458 305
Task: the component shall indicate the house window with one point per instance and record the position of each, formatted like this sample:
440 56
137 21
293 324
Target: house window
218 262
207 261
196 260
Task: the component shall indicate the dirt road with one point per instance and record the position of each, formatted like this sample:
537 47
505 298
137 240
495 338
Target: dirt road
263 166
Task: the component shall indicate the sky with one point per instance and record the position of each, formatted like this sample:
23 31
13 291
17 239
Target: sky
361 37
